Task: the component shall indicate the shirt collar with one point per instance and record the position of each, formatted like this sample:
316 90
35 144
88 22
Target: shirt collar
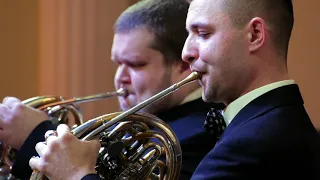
235 107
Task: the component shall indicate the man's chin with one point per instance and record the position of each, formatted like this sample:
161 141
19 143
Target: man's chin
207 97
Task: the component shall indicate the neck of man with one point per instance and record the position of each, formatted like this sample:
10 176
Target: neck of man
266 71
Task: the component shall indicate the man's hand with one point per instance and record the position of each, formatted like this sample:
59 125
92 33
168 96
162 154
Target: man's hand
17 121
63 156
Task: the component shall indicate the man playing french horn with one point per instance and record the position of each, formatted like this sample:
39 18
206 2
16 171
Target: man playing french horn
240 50
147 51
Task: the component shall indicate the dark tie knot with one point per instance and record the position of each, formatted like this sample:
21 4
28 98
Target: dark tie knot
215 123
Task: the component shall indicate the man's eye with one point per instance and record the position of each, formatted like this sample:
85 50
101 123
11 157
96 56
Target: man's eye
137 65
204 34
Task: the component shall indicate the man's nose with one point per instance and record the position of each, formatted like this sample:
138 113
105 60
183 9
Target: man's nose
122 75
190 51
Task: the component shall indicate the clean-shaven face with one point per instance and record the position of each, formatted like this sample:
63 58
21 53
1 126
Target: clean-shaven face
215 49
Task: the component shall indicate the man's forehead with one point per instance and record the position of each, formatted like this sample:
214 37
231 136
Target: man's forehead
205 5
199 12
205 12
197 5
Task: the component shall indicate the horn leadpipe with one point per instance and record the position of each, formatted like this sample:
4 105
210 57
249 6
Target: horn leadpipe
193 76
78 100
119 92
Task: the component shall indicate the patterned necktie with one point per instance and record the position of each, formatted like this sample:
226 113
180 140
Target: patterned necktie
215 123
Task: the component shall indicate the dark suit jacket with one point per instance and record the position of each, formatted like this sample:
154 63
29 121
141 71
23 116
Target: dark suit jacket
186 121
271 138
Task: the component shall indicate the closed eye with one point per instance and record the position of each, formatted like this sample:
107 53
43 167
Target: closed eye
136 64
204 35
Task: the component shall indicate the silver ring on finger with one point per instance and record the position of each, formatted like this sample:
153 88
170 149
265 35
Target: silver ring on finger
50 133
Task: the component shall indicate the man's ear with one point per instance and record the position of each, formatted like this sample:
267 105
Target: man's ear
256 34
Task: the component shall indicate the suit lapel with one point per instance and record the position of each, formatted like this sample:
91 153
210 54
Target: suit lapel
278 97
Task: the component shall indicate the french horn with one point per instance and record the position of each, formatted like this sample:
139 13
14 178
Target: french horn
133 143
61 111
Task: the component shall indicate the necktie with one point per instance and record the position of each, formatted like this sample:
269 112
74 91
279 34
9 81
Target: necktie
215 123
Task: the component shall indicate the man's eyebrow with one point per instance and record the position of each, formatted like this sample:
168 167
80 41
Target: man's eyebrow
199 25
126 59
195 26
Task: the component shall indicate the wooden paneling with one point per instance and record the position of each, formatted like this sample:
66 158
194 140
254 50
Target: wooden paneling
304 55
75 45
19 48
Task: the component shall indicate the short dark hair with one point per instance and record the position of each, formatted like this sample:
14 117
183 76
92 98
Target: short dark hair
164 18
278 15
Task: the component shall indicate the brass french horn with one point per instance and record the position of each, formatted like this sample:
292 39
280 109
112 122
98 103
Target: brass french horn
61 110
133 143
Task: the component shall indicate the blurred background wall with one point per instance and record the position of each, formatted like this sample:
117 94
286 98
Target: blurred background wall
62 47
304 55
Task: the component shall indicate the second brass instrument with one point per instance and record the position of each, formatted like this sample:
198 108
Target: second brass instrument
59 109
132 149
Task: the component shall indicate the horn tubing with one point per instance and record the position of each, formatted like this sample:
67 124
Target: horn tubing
78 100
75 100
192 77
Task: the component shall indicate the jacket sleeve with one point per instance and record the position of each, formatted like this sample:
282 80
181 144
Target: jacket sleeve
20 167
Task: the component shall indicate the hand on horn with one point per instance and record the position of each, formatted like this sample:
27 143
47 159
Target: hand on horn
64 156
17 121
